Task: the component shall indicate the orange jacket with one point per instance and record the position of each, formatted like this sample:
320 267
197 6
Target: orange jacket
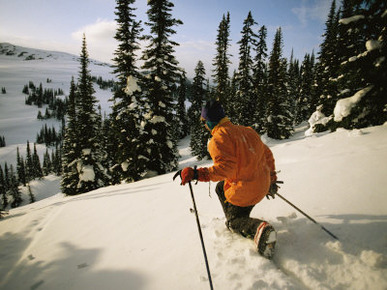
242 160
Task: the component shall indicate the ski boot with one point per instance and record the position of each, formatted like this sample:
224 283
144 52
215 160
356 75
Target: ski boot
265 240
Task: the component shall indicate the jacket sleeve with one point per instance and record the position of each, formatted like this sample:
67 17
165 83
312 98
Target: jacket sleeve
223 154
269 158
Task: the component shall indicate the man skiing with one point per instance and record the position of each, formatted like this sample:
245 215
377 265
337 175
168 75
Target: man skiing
244 167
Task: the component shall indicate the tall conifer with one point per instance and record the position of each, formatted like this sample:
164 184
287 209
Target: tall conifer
90 168
279 120
222 61
71 148
246 100
199 135
162 75
363 70
125 139
260 80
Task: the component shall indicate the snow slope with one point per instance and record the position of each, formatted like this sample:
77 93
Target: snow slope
18 66
143 235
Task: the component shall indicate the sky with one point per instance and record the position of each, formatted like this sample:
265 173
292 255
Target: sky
59 25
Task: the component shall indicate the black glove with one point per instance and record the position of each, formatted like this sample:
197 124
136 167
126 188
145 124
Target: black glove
273 189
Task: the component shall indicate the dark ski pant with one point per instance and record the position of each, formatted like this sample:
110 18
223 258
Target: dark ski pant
238 218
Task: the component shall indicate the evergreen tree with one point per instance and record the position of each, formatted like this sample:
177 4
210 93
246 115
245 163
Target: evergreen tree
20 168
29 164
294 89
56 160
92 174
222 61
31 195
83 153
3 190
363 70
232 101
181 113
7 177
260 80
47 165
279 118
162 75
125 139
328 62
306 102
2 141
199 135
245 99
37 168
14 190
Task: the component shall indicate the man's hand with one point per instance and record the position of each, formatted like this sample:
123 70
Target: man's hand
200 174
187 174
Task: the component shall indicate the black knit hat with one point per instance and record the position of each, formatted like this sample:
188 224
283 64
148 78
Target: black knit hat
213 111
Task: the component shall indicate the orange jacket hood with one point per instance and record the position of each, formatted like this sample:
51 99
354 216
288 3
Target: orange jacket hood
242 160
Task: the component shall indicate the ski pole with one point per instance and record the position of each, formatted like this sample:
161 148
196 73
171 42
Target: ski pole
201 236
199 229
322 227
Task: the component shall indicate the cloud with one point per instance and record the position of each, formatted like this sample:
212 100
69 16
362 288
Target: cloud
99 38
100 30
317 10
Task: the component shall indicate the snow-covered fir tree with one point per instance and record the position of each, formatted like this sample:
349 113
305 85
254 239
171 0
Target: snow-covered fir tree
47 165
260 80
279 124
162 75
352 67
363 72
199 135
246 100
56 160
229 107
125 135
222 61
20 168
71 149
328 63
294 76
3 190
181 113
306 102
13 189
37 168
89 155
92 174
29 164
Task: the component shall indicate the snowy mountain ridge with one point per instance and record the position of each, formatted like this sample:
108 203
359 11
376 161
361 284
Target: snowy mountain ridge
26 54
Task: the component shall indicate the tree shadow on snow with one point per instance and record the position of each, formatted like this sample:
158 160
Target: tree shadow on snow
72 268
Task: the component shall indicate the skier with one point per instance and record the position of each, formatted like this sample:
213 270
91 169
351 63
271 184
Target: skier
244 167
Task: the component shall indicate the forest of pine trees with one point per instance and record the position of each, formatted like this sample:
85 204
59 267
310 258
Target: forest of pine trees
341 85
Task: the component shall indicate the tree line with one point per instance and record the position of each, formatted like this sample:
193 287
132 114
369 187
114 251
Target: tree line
27 169
269 92
344 85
